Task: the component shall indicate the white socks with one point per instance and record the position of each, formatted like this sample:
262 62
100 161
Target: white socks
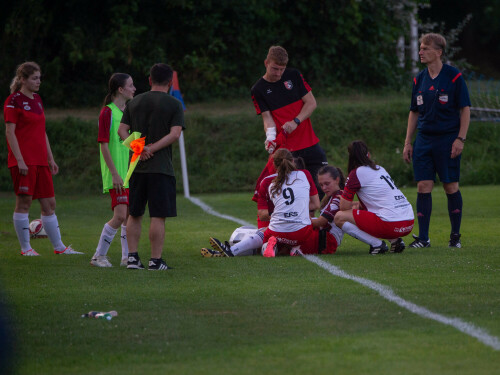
51 226
248 245
357 233
107 235
124 241
22 227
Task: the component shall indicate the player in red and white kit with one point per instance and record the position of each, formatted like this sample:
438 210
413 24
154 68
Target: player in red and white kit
30 158
294 196
331 179
285 101
385 213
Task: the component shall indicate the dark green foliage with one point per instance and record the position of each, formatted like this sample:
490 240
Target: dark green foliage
225 151
217 47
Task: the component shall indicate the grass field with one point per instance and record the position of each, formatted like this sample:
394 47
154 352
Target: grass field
251 315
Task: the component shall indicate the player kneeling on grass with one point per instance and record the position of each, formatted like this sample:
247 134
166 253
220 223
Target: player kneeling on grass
294 196
386 212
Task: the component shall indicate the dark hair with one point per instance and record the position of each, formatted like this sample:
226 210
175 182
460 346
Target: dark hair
24 70
358 156
161 74
283 162
116 81
334 172
299 162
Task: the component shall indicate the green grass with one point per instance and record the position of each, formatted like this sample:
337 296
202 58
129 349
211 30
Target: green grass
251 315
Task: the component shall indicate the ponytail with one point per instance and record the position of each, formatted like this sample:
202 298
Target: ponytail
23 71
116 81
283 162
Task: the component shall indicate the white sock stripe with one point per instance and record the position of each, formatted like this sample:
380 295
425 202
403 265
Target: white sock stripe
386 292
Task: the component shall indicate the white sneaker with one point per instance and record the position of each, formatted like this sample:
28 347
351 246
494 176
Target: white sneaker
123 262
68 251
30 253
101 261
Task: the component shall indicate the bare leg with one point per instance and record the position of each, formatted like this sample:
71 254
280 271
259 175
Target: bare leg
133 232
156 236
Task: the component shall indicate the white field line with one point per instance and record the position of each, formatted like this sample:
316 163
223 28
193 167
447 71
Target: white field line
386 292
209 210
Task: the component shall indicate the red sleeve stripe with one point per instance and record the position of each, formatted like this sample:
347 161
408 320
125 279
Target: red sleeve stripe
456 77
415 80
308 88
257 108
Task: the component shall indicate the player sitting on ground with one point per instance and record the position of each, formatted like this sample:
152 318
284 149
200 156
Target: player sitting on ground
294 196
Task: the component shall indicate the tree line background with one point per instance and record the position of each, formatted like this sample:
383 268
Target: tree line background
218 47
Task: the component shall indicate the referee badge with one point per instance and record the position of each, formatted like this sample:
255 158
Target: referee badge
420 100
443 98
288 84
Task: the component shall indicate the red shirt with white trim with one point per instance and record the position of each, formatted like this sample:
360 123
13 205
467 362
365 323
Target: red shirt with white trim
283 99
29 118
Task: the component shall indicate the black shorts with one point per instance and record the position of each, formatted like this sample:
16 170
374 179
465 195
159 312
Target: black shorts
314 158
155 189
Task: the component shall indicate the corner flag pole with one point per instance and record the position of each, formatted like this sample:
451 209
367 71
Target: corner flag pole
176 93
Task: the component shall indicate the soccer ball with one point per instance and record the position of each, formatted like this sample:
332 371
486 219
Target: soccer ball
241 233
37 230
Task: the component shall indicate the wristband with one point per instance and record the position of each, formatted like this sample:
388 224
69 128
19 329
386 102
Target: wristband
297 121
461 139
270 134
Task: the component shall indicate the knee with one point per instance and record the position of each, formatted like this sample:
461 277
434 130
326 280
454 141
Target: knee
339 219
450 188
425 186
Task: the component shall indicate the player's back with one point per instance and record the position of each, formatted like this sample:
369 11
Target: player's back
381 196
291 206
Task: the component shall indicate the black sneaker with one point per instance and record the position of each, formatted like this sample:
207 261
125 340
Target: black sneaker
420 243
224 248
134 262
397 246
157 265
455 240
382 248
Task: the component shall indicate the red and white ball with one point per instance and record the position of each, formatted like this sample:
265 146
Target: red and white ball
37 230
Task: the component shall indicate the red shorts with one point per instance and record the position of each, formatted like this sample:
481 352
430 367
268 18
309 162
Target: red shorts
307 238
372 224
37 183
117 199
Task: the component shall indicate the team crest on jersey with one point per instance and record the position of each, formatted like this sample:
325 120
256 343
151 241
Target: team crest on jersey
443 98
288 84
27 107
269 91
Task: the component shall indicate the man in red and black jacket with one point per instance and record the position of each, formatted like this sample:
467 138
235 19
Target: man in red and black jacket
285 101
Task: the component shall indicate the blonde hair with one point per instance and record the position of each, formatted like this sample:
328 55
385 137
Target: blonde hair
278 54
23 71
434 39
283 162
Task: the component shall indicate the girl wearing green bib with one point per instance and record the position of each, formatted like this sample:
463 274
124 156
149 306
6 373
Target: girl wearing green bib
114 164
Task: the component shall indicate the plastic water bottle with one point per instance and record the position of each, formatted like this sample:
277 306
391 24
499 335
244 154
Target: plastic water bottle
101 315
105 316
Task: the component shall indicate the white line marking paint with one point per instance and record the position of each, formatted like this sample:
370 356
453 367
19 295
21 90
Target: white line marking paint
209 210
386 292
